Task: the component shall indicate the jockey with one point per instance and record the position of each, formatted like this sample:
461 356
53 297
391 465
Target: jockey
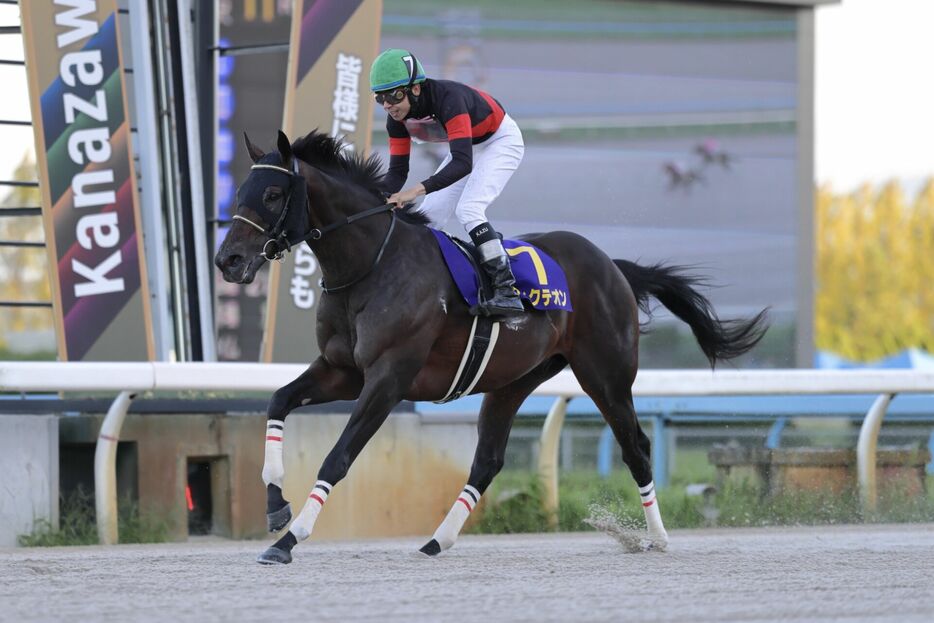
485 149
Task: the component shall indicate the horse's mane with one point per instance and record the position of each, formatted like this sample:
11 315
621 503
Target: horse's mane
330 154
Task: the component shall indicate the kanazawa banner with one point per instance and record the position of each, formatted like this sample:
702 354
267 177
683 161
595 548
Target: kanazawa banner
89 201
333 43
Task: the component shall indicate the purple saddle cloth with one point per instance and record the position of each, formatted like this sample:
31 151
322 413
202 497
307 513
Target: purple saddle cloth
539 279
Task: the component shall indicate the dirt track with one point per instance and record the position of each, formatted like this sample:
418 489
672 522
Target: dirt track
875 573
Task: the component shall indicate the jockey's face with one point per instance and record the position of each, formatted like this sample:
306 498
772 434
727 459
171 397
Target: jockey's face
399 110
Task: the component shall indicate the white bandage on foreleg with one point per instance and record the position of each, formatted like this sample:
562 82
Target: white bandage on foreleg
447 532
273 470
653 518
305 522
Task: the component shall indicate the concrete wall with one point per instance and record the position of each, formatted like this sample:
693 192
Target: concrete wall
165 443
403 483
29 464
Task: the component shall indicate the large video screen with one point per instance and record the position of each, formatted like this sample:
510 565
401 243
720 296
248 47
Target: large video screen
660 131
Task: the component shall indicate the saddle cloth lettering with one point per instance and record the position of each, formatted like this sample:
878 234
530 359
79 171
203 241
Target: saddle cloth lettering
539 279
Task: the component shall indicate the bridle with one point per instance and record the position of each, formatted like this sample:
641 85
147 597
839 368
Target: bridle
278 242
277 236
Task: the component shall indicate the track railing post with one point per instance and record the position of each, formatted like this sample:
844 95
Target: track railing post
660 450
105 469
866 452
605 452
548 457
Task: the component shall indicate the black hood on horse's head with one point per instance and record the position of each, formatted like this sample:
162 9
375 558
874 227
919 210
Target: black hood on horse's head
251 192
287 219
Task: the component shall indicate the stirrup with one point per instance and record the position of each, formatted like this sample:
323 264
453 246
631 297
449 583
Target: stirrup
488 308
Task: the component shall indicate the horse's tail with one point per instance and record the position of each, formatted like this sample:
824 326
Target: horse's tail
719 339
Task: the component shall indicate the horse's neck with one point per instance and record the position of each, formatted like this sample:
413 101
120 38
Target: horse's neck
347 252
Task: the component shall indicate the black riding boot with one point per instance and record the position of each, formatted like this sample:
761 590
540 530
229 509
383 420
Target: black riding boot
505 301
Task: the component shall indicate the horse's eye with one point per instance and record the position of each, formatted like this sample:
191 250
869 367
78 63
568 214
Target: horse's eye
273 194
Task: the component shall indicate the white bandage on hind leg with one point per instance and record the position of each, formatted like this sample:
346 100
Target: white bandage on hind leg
447 532
304 524
273 470
653 518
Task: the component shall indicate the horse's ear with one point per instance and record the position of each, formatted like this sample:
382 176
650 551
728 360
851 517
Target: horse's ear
255 152
285 147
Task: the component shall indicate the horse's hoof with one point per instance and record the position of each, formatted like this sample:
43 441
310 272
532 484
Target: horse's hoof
431 548
657 543
274 556
279 519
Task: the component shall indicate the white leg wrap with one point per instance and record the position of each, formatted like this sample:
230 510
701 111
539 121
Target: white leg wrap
447 532
305 522
653 518
273 470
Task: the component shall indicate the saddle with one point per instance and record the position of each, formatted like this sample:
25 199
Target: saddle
483 333
485 291
539 279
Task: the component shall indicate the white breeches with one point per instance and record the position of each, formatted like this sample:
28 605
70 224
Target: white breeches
494 162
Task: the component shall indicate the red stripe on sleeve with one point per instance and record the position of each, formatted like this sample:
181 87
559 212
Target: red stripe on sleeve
399 146
492 122
273 438
315 496
458 127
464 502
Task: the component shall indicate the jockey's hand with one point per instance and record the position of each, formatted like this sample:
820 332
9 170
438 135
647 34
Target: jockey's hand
408 195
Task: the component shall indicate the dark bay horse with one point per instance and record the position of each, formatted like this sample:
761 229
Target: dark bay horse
392 326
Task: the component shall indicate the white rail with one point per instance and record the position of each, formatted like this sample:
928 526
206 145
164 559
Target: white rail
130 378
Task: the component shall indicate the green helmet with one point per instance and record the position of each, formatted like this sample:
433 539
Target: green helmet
395 68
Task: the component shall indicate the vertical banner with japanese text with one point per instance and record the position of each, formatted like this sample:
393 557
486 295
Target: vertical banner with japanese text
87 180
333 43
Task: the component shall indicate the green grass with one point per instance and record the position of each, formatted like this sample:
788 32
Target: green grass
77 524
514 505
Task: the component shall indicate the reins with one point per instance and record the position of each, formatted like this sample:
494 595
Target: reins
379 256
278 236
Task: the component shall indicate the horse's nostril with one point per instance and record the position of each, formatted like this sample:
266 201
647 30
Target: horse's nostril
228 262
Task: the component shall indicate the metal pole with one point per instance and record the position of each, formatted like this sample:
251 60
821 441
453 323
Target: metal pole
201 290
605 452
804 190
170 182
176 18
153 216
548 457
774 438
105 469
659 452
866 452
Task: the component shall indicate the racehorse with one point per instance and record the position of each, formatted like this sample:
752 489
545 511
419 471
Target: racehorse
392 326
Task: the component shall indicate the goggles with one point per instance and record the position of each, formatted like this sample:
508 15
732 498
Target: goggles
393 97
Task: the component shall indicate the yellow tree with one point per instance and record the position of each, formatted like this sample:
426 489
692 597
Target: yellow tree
921 267
874 272
887 241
